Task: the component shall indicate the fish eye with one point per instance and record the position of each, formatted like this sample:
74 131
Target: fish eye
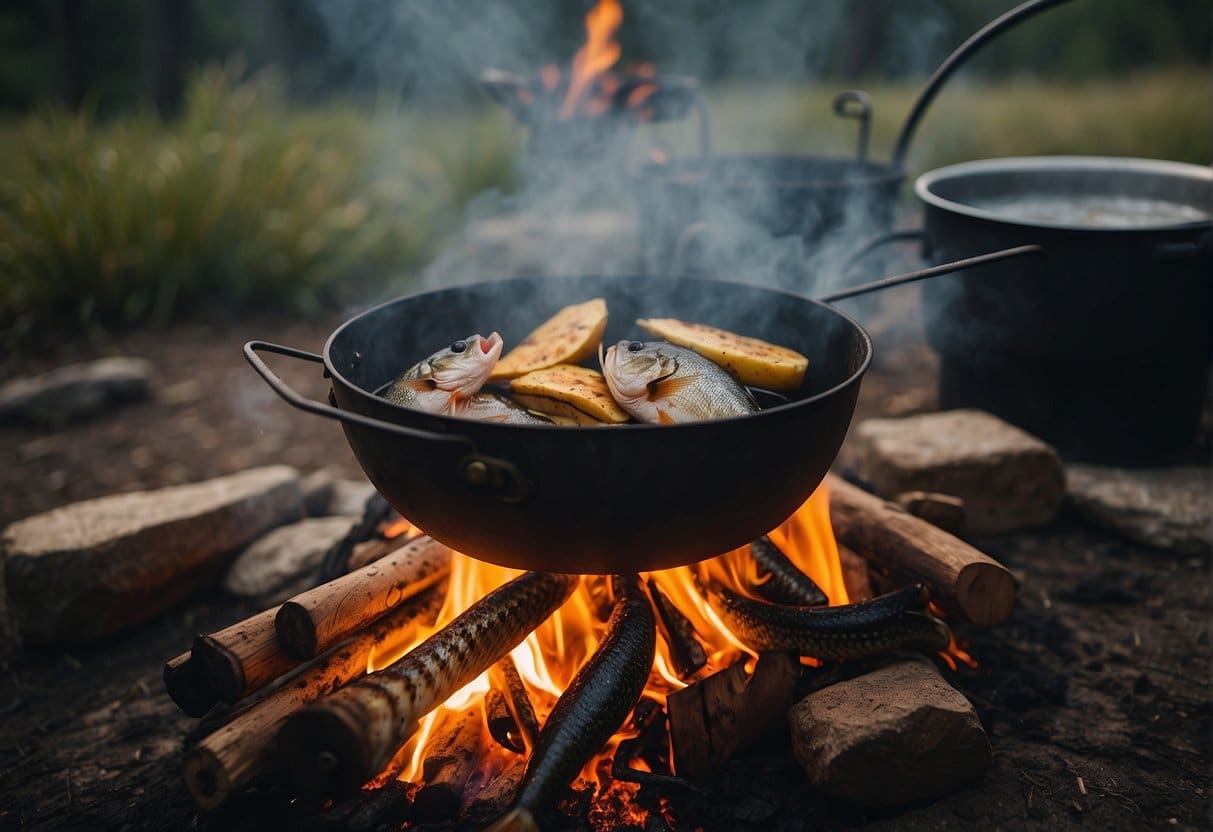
635 346
459 346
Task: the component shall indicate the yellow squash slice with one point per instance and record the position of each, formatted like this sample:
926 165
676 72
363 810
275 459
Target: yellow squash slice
748 360
569 336
572 392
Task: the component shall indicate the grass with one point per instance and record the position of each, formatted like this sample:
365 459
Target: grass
249 201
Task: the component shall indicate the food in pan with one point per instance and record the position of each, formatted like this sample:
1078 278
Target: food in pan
441 383
571 335
577 394
749 360
491 407
661 383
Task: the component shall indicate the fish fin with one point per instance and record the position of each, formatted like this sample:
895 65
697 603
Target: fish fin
671 386
421 385
664 418
515 820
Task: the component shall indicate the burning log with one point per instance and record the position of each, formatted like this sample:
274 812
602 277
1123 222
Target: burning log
499 793
505 678
232 756
686 652
447 768
960 578
241 659
786 584
313 621
188 686
502 727
856 576
716 717
338 743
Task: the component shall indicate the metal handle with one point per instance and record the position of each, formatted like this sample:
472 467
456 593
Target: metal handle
476 469
856 104
923 274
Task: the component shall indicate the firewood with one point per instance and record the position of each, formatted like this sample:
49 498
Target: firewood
338 743
942 510
785 583
369 551
188 686
504 677
232 756
499 793
313 621
961 579
446 769
386 807
500 721
243 658
686 651
855 575
716 717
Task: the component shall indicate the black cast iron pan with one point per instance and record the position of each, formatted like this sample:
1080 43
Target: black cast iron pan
594 500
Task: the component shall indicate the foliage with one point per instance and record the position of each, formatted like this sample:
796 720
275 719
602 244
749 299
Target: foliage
242 201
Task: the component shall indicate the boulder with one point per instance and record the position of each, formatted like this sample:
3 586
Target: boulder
897 735
1008 479
90 569
75 392
349 497
1169 508
283 562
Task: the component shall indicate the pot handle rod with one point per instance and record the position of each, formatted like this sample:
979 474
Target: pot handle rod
923 274
953 62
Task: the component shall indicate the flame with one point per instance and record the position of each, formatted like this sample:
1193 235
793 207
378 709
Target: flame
398 528
598 55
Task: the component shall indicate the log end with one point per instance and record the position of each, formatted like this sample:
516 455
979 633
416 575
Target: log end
206 778
437 802
328 749
985 593
222 668
188 686
296 631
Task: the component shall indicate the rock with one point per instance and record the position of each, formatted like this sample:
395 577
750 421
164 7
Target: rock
350 496
894 736
75 392
93 568
1170 508
283 562
1008 479
318 488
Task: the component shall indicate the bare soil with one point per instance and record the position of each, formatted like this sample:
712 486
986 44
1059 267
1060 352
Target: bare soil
1102 675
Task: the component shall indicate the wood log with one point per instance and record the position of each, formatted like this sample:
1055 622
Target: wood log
717 717
338 743
504 677
942 510
313 621
241 659
687 654
502 727
446 769
188 686
961 579
855 575
496 797
369 551
234 755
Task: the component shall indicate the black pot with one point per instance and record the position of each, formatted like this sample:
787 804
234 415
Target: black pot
1102 346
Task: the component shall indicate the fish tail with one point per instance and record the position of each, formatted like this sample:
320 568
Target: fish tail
515 820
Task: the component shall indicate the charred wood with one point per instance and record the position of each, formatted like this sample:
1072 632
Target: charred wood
447 768
504 676
188 686
686 651
786 584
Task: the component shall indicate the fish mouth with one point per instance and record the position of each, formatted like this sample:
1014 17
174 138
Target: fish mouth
491 345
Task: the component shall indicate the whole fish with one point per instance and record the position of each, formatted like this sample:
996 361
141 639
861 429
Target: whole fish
490 407
660 383
596 703
449 377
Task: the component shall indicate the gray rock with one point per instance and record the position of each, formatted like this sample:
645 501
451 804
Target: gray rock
75 392
350 496
1171 508
1008 479
93 568
897 735
281 563
318 488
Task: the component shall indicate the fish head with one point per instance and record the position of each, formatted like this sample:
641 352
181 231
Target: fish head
464 366
631 368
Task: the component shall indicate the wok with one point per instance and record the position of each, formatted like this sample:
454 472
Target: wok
605 499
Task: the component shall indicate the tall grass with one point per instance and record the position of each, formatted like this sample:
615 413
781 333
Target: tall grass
244 201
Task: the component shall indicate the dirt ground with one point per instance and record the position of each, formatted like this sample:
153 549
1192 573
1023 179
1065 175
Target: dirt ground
1103 672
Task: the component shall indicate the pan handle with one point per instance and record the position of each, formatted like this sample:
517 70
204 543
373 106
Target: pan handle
923 274
480 472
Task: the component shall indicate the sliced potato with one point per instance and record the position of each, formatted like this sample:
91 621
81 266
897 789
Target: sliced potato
749 360
569 336
566 390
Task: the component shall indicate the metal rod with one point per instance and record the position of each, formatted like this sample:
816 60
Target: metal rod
923 274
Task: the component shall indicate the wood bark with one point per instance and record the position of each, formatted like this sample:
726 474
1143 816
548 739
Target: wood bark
504 677
446 769
241 659
313 621
960 578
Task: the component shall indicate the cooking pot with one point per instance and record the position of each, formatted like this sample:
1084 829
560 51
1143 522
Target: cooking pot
594 499
1100 347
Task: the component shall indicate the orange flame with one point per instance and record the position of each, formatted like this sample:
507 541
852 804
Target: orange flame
398 528
598 55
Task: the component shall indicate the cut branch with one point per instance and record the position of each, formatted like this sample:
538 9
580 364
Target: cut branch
504 676
188 686
313 621
243 658
960 578
502 727
686 651
446 769
234 755
335 745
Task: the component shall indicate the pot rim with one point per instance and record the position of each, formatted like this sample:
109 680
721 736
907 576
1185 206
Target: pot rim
868 171
453 422
923 186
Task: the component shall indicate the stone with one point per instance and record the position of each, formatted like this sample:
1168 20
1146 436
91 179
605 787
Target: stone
75 392
897 735
93 568
350 496
1169 508
318 488
1008 479
283 562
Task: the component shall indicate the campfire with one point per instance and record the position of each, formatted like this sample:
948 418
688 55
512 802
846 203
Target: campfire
469 661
